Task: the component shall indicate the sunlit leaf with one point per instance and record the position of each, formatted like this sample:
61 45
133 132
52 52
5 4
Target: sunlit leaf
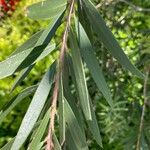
40 132
30 43
23 57
35 108
46 9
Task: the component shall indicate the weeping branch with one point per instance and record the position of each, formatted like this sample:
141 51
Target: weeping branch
49 139
143 111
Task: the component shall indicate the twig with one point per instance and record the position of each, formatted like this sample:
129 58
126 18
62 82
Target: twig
50 145
143 111
136 8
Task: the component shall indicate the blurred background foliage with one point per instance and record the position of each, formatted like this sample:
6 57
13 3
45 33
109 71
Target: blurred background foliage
129 20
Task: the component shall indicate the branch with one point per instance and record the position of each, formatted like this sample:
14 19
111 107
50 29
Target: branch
143 111
137 8
49 139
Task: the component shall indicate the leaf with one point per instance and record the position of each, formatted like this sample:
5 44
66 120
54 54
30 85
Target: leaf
69 96
23 57
40 146
14 62
93 126
49 32
72 125
61 113
14 101
40 132
46 9
22 76
8 145
69 142
35 108
56 143
80 76
29 43
93 65
107 38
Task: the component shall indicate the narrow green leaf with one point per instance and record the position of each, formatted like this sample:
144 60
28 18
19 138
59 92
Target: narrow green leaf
35 108
22 76
29 43
8 145
40 132
69 141
72 125
14 101
49 32
46 9
107 38
61 113
23 57
93 65
67 92
76 109
56 143
40 146
93 126
15 62
80 76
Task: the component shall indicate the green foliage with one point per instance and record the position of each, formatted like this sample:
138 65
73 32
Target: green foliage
77 94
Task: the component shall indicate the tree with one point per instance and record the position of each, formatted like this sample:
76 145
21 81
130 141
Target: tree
75 109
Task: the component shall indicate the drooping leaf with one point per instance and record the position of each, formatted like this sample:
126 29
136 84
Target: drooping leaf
80 76
22 76
11 64
107 38
69 141
35 108
15 100
93 65
72 125
68 95
30 43
49 32
61 113
40 146
93 126
56 143
40 132
23 57
46 9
